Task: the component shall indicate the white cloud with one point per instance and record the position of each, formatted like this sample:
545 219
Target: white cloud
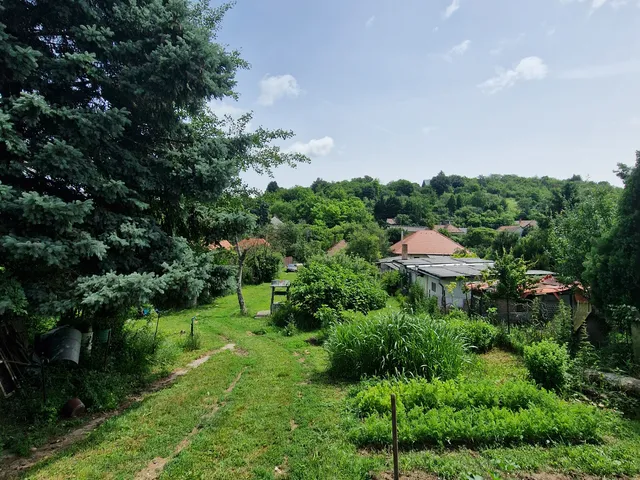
457 50
221 109
275 87
451 9
504 44
369 23
320 147
616 4
597 4
602 71
529 68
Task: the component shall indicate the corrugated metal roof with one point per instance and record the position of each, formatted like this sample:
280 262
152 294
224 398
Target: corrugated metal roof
540 272
453 271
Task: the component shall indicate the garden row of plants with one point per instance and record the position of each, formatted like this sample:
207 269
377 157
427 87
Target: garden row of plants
420 354
460 412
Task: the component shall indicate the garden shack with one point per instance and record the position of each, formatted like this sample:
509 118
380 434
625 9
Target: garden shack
547 288
440 276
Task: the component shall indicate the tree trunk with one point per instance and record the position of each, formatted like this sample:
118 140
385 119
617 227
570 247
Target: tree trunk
241 256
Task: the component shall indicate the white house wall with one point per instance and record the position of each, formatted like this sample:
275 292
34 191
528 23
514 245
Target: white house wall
456 298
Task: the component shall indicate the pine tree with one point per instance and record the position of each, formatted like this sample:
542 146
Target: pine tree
614 270
107 148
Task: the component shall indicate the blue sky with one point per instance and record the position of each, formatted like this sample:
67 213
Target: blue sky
406 88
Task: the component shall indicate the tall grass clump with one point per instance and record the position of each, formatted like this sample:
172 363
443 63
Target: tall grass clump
395 344
479 335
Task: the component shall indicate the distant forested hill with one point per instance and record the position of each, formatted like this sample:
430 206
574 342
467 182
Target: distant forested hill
489 201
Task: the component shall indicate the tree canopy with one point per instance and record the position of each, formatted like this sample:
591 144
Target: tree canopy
110 156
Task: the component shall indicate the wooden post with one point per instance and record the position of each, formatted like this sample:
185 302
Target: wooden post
394 428
273 294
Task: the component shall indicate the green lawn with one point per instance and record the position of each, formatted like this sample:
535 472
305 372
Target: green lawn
284 418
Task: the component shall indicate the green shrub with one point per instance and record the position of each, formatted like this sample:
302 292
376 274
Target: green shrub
352 263
261 265
289 329
518 338
327 317
560 328
391 281
191 342
470 413
287 313
478 334
548 364
395 344
336 287
417 301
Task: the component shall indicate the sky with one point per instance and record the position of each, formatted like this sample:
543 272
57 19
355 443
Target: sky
406 88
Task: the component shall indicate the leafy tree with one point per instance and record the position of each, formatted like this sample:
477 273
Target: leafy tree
577 231
505 241
387 207
534 248
403 219
402 187
272 187
614 275
439 183
364 245
510 274
262 264
233 226
479 240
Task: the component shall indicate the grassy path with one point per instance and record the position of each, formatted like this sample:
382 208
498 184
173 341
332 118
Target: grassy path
281 419
266 410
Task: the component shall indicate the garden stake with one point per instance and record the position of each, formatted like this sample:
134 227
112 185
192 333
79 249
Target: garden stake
394 428
192 319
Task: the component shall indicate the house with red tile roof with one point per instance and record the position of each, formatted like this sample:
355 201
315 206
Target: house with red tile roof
449 228
245 244
426 243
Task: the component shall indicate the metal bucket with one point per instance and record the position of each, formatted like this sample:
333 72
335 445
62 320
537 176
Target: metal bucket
102 336
62 343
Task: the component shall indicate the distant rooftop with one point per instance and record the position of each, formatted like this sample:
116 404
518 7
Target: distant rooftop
427 242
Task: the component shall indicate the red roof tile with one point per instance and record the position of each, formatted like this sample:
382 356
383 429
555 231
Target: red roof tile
427 242
448 227
221 244
244 244
248 243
